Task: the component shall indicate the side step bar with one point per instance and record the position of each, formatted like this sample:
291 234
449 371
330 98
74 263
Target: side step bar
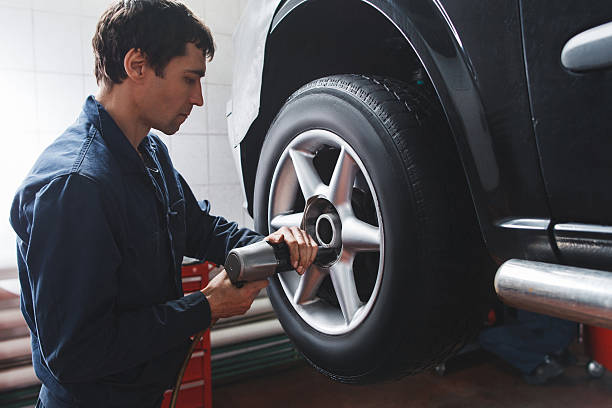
578 294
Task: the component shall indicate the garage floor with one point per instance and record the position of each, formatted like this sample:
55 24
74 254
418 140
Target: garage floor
475 379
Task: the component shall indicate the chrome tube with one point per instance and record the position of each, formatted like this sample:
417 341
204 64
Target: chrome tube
582 295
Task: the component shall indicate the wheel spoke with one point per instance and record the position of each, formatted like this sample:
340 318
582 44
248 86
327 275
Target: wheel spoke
344 285
307 175
286 220
360 236
284 191
309 284
343 178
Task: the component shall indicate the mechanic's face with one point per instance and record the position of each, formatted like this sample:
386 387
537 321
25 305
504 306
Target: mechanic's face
169 100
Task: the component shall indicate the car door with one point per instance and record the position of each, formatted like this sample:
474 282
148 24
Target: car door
572 118
571 111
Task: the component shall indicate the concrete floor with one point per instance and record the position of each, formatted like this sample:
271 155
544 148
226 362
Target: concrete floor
473 380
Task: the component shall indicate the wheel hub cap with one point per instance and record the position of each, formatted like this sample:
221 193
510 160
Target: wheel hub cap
322 222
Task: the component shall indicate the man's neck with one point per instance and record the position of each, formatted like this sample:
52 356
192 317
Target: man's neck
118 103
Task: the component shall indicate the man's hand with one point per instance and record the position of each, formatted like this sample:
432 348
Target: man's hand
302 247
227 300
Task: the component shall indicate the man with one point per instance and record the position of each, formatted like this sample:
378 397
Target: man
103 221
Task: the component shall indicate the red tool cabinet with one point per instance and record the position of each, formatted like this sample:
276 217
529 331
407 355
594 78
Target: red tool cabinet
195 390
599 345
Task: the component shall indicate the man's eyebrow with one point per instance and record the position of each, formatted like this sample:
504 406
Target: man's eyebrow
198 72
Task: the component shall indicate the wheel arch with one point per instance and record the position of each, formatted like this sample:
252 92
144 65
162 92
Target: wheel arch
403 40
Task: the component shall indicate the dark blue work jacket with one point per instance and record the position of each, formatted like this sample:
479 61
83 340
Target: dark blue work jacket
101 237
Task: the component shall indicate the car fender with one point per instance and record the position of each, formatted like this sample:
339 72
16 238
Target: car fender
441 55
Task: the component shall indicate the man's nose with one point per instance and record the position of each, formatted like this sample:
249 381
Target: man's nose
197 98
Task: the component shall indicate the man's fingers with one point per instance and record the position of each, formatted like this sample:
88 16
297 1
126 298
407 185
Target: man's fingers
221 275
274 238
260 284
302 247
305 251
292 244
314 247
255 286
297 233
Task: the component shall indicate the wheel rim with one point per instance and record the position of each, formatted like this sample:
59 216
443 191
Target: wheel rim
354 279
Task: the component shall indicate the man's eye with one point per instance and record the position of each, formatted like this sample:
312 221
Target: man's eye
190 81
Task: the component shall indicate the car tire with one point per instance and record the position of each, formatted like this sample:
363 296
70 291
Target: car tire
417 294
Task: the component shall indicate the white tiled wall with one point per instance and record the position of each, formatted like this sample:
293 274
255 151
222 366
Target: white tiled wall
46 71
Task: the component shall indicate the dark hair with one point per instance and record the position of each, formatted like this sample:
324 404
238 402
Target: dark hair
159 28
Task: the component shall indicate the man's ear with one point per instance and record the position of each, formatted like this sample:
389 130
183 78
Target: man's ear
135 63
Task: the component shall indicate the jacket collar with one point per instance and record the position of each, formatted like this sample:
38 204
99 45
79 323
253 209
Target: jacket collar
117 142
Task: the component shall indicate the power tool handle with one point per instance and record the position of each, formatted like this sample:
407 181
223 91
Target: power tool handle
281 251
283 257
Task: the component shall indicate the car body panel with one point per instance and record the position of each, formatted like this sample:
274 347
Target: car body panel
249 45
573 134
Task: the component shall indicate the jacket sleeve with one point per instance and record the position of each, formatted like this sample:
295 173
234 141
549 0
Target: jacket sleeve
72 262
211 237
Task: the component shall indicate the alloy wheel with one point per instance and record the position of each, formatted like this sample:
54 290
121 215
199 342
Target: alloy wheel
321 184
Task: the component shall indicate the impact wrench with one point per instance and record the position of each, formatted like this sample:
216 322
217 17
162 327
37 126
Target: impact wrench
251 263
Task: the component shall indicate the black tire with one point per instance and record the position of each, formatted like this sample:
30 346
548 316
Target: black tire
426 305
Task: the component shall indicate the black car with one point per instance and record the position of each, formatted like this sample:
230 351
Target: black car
427 142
